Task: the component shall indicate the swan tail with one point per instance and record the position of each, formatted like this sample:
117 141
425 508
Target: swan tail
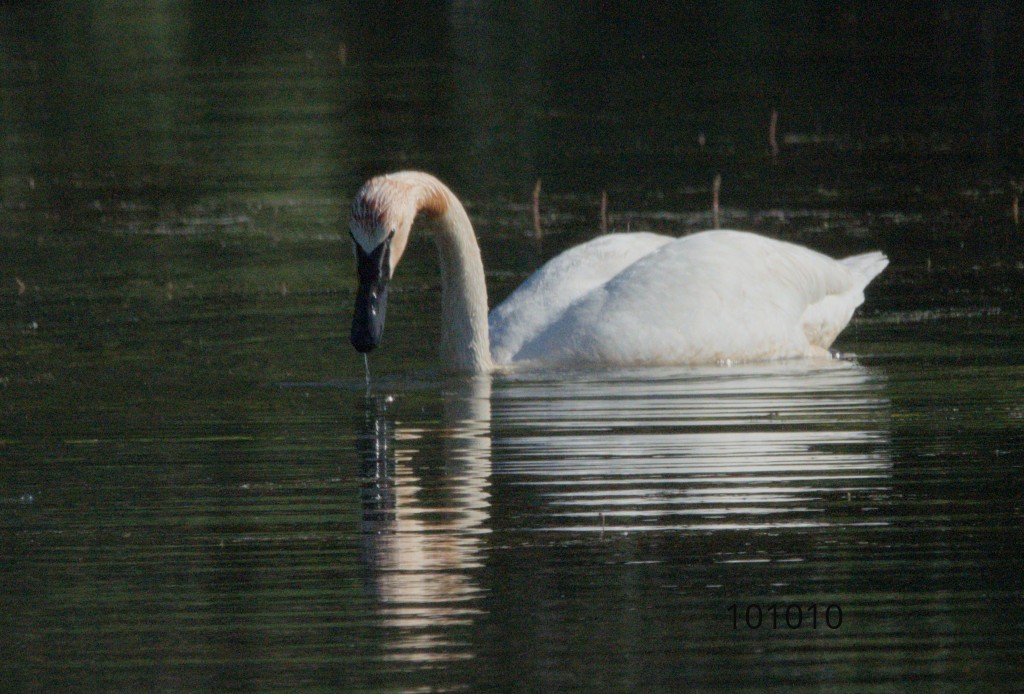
866 265
823 321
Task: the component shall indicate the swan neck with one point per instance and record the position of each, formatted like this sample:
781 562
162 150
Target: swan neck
465 343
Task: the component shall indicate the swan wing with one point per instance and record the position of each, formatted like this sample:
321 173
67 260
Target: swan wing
542 299
710 297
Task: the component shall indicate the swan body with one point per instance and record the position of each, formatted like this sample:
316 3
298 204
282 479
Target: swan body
532 308
619 299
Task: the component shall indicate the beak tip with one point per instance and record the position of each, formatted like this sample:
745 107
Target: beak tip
363 341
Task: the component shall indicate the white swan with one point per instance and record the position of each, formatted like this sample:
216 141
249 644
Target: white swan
620 299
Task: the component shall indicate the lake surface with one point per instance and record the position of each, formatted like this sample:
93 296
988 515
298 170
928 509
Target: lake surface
199 489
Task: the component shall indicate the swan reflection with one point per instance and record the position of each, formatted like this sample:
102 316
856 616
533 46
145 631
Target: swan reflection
423 538
767 445
757 449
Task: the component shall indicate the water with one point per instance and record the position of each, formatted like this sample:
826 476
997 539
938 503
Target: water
199 490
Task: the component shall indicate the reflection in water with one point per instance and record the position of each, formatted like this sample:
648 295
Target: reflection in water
754 447
422 534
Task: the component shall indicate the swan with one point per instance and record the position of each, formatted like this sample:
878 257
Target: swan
619 299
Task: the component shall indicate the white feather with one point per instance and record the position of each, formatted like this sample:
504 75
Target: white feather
540 301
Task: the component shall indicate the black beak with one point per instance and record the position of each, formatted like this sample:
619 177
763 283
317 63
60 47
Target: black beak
372 297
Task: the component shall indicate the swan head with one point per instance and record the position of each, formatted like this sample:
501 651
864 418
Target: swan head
382 215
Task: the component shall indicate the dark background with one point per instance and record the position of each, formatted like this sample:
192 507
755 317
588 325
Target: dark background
569 91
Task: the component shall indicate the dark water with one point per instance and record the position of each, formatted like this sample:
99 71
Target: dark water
199 492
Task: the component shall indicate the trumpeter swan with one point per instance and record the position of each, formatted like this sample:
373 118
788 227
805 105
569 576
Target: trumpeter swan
620 299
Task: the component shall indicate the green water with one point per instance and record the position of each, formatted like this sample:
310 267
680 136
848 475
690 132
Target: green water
199 490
